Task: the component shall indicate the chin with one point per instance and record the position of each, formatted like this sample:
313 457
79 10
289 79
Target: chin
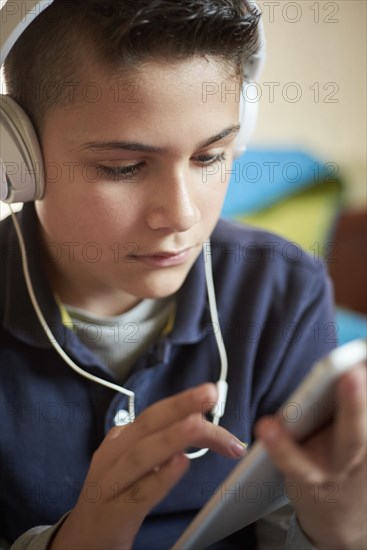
160 286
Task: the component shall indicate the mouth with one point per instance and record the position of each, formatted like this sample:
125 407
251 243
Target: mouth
164 258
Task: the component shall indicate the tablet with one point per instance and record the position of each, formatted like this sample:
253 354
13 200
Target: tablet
255 488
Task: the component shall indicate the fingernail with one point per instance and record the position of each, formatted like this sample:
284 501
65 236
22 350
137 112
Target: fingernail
238 449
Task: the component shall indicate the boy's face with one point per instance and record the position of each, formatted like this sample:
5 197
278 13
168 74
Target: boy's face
133 187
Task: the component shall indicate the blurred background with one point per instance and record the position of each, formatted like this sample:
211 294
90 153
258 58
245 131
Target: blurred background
304 176
321 47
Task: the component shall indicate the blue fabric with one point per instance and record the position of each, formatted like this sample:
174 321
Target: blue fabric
261 177
351 325
52 420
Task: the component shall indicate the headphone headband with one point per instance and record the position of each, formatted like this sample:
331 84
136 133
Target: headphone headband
15 22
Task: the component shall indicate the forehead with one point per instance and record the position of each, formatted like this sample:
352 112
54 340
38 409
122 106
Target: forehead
96 80
151 99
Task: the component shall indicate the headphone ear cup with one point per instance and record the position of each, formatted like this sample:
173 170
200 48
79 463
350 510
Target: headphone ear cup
21 166
249 108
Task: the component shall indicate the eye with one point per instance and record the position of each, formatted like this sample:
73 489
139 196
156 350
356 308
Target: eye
120 173
211 159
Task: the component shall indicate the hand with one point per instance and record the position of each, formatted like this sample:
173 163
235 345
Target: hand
137 465
329 469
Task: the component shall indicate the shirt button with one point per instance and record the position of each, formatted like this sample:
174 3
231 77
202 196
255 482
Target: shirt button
122 417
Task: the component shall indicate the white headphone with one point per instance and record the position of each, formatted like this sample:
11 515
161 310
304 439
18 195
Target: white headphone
19 142
20 147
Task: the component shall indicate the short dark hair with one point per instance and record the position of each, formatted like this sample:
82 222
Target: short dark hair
124 34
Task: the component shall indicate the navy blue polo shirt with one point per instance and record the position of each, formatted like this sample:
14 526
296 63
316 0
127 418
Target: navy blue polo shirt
276 315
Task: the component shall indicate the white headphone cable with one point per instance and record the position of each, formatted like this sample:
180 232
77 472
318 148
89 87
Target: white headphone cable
222 386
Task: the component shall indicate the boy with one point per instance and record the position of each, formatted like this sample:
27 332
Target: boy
115 256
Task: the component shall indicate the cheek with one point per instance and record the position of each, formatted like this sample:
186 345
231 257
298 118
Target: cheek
80 197
214 190
84 217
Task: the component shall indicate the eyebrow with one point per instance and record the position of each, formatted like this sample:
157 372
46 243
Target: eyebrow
145 148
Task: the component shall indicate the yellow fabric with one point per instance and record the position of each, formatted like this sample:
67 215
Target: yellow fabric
170 322
305 218
65 317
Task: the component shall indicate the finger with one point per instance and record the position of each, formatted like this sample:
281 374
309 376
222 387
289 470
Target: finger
158 448
159 416
137 499
150 490
174 408
289 457
114 432
351 426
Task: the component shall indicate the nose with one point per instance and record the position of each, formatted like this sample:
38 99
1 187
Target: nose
172 205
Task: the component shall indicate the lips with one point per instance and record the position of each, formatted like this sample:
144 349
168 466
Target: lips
164 258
